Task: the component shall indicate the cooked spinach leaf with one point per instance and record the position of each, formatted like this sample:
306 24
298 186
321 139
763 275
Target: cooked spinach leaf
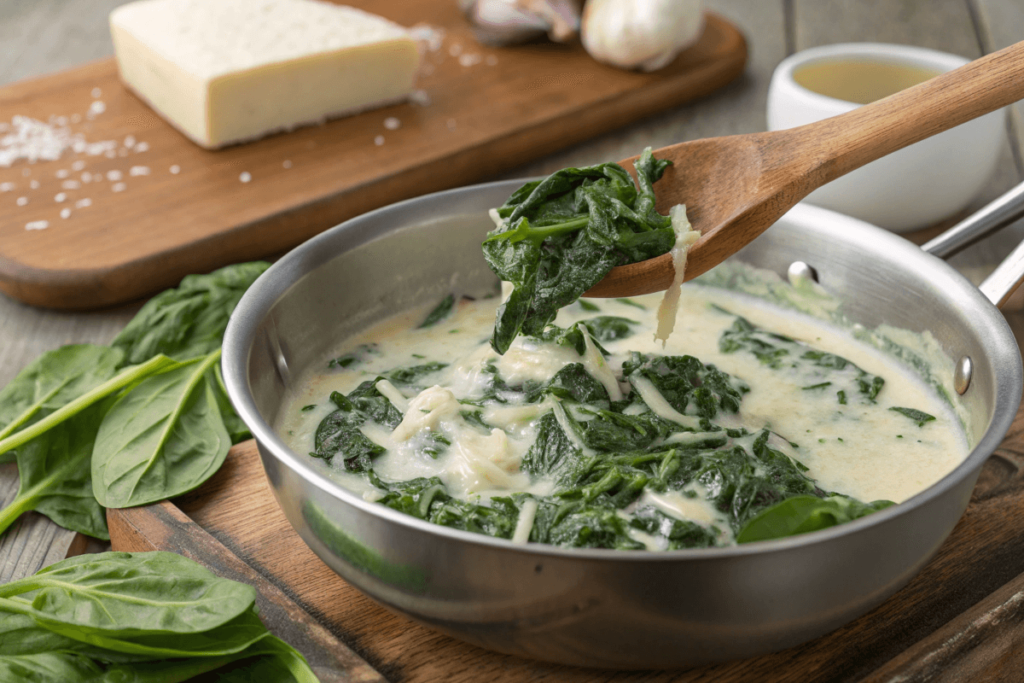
410 376
777 351
685 381
560 236
920 417
609 327
440 312
339 435
358 356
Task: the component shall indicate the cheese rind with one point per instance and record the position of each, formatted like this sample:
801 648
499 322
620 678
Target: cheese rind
227 71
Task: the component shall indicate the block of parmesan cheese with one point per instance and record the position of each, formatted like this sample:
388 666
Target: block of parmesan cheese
227 71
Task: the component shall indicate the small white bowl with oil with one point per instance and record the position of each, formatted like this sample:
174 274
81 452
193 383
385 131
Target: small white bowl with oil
910 189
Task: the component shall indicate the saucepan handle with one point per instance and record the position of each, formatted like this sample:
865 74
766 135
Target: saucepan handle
1004 280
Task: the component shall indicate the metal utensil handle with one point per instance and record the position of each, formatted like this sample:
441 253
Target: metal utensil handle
982 223
1004 280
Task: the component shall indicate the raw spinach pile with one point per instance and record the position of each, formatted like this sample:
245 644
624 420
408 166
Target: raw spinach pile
143 617
560 236
143 419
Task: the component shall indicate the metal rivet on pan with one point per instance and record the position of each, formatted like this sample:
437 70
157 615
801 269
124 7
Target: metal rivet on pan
800 273
962 374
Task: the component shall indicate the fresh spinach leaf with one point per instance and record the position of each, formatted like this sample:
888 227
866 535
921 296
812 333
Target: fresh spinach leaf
560 236
55 476
163 438
188 321
440 312
52 381
55 667
130 594
803 514
920 417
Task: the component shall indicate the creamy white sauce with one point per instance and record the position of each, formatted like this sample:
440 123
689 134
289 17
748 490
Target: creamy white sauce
865 451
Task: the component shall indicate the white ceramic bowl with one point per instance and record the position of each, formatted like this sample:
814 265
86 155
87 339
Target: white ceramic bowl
914 187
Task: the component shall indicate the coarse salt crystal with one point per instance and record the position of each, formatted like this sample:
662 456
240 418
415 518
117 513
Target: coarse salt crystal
420 97
34 185
470 59
78 165
379 140
62 173
59 197
129 141
142 147
21 201
114 175
87 177
6 187
65 212
61 121
37 225
392 123
97 107
138 170
287 163
175 170
118 187
245 176
430 36
83 203
71 184
97 93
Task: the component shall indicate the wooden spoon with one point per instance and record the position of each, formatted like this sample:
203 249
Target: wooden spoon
736 187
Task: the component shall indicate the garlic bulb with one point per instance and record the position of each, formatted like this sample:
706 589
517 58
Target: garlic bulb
640 34
507 22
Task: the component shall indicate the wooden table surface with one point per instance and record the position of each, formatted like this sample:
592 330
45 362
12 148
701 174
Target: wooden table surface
40 36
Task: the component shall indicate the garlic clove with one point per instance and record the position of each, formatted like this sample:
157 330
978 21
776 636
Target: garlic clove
508 22
640 34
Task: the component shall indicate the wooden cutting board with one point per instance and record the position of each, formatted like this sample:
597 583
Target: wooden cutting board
958 620
130 235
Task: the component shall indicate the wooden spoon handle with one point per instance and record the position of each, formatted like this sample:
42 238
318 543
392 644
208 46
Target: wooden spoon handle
846 142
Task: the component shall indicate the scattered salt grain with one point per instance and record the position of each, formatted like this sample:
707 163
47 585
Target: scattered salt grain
175 170
65 212
21 201
138 170
97 93
61 120
26 172
129 141
430 36
379 140
114 176
6 187
83 203
62 173
470 59
78 165
245 176
97 107
142 147
71 184
34 140
392 123
287 163
87 177
60 197
37 225
118 187
34 185
420 97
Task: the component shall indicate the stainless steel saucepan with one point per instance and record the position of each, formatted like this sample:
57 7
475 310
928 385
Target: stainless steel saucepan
606 608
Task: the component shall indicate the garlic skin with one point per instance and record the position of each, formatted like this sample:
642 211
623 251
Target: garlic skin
508 22
640 34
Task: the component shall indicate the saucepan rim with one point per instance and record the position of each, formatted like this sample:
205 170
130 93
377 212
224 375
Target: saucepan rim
261 297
